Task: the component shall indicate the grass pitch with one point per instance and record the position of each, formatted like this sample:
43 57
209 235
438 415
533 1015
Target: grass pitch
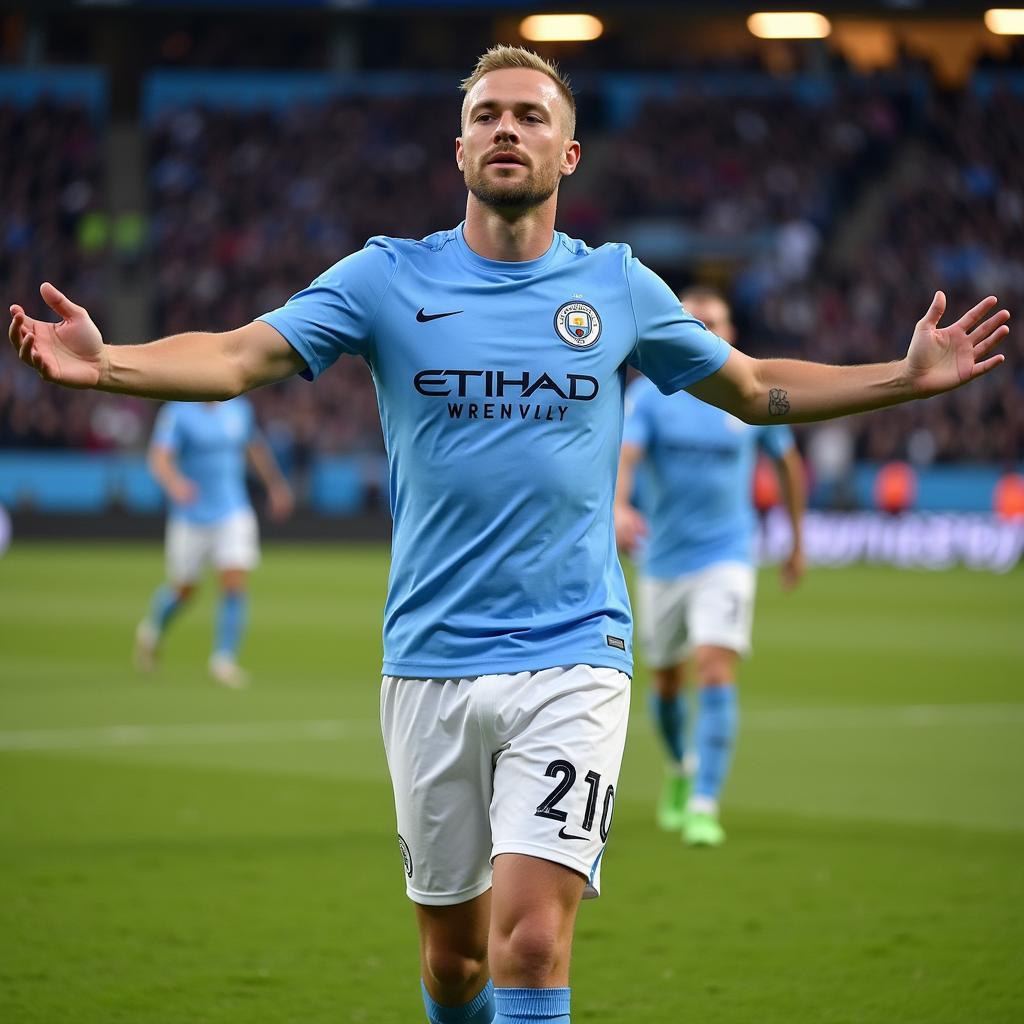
175 853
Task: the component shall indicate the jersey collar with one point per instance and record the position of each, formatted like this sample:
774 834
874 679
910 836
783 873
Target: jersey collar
524 268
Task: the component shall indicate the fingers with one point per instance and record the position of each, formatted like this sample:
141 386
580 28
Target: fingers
40 361
14 331
26 345
59 302
980 369
973 317
982 332
22 335
20 323
935 311
982 348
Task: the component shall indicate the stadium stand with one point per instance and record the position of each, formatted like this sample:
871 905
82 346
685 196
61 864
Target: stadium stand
829 207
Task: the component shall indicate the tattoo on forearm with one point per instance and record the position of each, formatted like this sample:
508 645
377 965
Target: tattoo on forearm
778 402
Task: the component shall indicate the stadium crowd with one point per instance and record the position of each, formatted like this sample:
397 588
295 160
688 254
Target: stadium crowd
951 217
248 206
51 228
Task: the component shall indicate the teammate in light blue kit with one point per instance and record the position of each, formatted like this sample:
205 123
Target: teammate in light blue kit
696 587
499 352
198 455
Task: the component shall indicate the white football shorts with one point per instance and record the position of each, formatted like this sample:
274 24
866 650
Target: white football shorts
523 763
230 543
711 607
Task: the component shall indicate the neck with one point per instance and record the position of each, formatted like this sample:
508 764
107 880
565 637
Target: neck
511 237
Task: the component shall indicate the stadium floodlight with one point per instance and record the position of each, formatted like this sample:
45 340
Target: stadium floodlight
789 25
1005 21
560 28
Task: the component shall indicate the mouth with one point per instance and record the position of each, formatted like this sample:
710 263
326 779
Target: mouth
506 160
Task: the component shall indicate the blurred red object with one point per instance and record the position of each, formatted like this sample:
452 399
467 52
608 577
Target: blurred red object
1008 496
767 492
895 487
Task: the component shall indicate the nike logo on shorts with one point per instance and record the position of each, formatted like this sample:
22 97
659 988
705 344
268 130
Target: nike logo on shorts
425 318
562 834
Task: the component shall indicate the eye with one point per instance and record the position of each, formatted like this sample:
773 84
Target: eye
484 117
534 119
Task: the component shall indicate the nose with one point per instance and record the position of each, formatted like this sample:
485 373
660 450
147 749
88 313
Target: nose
505 129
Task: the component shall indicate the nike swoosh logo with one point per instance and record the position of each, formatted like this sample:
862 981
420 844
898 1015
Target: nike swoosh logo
425 318
562 834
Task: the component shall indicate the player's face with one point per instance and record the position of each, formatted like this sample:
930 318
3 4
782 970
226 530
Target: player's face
714 314
515 143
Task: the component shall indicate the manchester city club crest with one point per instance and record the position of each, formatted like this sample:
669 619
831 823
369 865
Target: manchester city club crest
578 324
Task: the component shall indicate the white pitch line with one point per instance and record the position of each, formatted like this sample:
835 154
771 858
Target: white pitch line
896 716
327 729
191 734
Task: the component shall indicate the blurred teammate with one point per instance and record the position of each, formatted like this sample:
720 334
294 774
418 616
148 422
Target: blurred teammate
696 587
499 350
198 455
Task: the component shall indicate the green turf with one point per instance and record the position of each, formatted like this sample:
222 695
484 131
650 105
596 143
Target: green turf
174 852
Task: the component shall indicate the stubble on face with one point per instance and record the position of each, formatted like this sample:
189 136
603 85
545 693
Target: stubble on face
528 191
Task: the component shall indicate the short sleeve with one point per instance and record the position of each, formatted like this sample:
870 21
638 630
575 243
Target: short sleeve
673 349
638 427
334 316
166 429
776 440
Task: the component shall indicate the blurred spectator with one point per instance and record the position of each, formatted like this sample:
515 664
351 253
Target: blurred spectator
953 221
247 207
51 228
250 207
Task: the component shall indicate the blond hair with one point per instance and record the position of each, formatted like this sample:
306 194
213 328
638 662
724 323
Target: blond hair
500 57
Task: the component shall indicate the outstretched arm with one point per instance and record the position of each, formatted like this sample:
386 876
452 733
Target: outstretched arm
164 468
191 367
630 525
279 493
794 492
788 390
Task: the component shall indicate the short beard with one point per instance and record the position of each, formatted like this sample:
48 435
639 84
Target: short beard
524 196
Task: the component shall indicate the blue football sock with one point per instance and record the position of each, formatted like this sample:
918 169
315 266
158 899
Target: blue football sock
163 606
527 1005
669 714
714 736
478 1011
230 622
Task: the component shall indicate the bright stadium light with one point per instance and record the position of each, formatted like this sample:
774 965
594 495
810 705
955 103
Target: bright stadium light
560 28
789 25
1005 21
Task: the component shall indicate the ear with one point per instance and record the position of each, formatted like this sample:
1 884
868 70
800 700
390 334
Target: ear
570 157
460 158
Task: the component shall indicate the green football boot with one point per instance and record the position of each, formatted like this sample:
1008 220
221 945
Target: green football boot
702 829
671 811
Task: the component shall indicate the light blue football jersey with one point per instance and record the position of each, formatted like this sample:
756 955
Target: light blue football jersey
695 479
208 441
500 389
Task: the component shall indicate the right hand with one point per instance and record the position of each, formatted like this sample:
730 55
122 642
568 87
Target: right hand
181 490
630 527
68 353
281 501
793 568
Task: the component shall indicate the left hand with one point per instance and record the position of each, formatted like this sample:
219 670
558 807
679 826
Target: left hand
281 502
942 358
792 569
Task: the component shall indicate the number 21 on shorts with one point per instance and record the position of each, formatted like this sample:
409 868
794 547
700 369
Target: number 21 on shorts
565 772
